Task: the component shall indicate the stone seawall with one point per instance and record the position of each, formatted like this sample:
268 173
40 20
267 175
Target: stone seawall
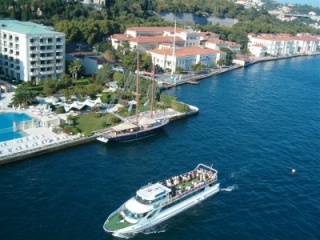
44 150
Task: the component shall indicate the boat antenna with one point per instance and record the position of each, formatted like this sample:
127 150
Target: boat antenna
153 87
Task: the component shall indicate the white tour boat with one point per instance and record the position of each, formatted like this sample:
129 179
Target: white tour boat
158 202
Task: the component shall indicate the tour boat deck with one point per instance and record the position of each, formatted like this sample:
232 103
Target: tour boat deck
116 222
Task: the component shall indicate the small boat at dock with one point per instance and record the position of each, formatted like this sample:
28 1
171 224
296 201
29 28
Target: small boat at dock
155 203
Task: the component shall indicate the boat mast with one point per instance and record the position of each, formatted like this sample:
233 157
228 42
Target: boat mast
174 46
152 91
137 87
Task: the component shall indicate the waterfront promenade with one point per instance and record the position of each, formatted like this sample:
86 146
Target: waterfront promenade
41 140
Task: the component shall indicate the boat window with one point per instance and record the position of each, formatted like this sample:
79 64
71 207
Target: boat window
147 202
132 215
143 201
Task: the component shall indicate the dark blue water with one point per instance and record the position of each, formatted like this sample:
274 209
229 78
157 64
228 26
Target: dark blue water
255 125
6 125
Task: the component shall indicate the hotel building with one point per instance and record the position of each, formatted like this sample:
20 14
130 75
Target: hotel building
282 44
30 51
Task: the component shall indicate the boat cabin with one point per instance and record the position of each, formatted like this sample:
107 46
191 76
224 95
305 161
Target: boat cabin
145 202
152 193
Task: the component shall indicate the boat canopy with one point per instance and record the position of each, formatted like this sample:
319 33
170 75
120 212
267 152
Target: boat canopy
147 121
153 191
136 207
124 126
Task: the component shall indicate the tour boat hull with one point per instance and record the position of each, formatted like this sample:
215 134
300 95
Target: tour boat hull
170 212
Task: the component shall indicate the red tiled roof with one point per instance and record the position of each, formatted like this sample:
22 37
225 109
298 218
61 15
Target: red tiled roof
120 36
156 39
218 41
203 34
186 51
154 29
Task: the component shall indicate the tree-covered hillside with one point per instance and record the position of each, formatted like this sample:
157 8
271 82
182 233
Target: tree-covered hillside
82 23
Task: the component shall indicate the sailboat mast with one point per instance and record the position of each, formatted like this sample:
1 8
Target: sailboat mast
137 87
174 46
152 91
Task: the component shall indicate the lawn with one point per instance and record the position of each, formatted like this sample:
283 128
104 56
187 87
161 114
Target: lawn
93 121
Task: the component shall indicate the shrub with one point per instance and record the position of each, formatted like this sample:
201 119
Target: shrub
86 133
60 110
68 131
75 130
180 107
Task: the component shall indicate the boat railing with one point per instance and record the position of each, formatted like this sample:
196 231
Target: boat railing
191 190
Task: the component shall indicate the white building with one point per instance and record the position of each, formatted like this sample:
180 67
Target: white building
185 57
90 61
30 51
149 38
217 44
284 44
258 50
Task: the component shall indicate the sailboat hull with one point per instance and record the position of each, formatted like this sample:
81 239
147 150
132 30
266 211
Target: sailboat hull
132 134
137 135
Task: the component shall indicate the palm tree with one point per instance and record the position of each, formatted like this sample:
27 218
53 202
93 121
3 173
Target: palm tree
75 67
23 96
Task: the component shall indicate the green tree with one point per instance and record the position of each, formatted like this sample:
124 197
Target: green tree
129 61
65 82
104 74
179 69
229 56
75 68
221 62
109 56
50 87
23 95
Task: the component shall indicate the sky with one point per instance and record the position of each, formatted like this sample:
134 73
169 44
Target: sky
315 3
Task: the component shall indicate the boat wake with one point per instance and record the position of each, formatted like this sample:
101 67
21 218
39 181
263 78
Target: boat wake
123 235
151 230
230 188
156 229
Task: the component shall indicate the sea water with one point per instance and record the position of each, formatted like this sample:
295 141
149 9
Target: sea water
6 125
255 125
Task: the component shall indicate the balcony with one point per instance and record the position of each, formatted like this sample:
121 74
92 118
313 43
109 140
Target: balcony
47 58
33 44
46 65
46 72
43 43
59 57
46 50
34 66
36 73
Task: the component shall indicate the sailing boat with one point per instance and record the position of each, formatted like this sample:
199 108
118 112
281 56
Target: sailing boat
141 128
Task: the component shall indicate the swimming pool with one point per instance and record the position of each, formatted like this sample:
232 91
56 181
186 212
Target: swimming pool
6 125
